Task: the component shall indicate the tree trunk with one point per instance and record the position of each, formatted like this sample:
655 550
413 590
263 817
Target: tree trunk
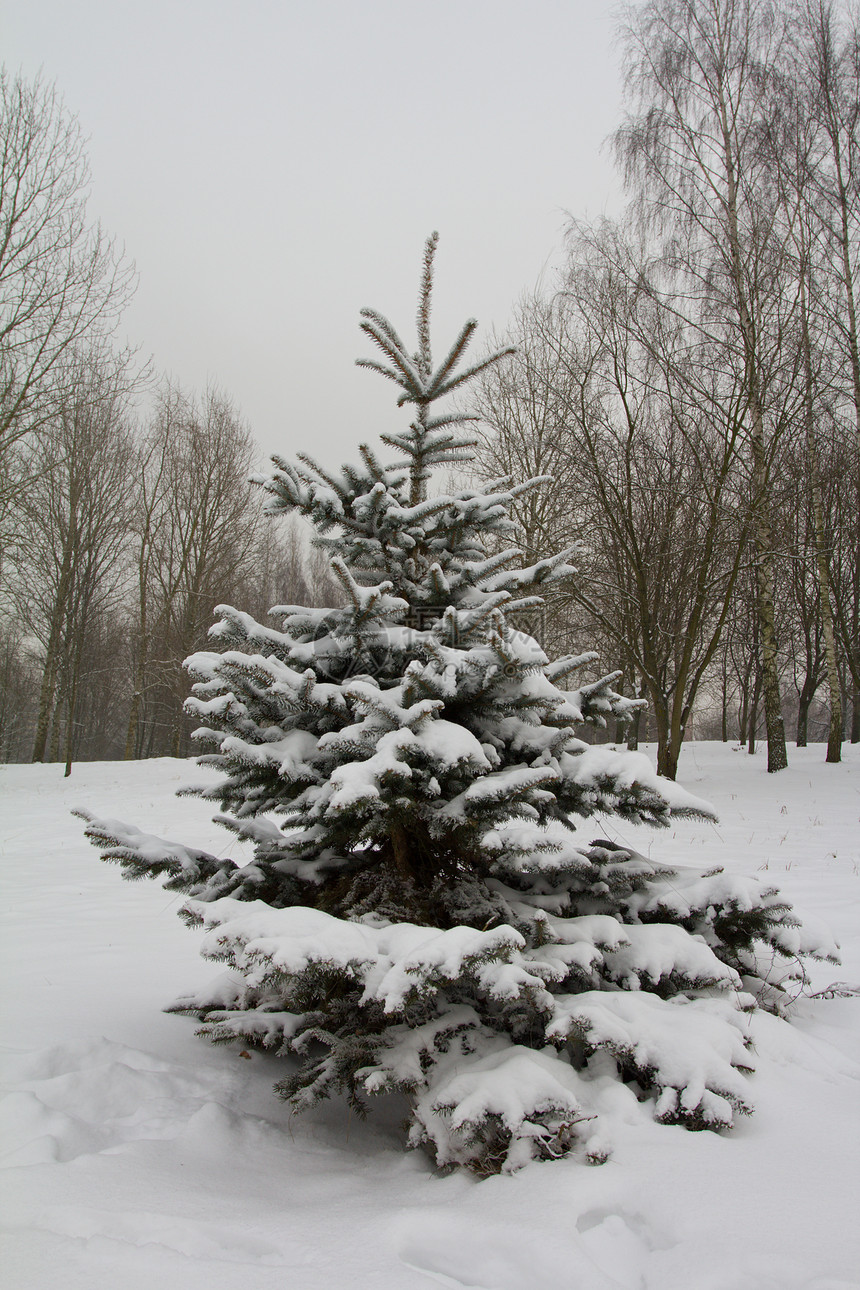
777 756
621 725
54 752
661 721
400 848
753 715
834 738
59 613
844 238
131 734
743 713
73 692
803 717
667 759
70 729
634 729
670 754
133 721
46 705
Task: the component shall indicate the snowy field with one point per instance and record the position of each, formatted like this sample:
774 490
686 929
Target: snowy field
136 1156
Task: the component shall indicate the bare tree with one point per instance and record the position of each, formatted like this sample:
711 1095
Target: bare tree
156 580
61 278
795 141
841 475
705 74
827 49
523 410
19 681
820 542
196 525
611 397
70 564
827 45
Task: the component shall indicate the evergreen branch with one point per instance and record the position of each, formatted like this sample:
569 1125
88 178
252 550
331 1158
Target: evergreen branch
524 602
142 855
455 353
452 419
334 484
350 586
424 300
384 326
411 377
381 369
562 667
378 472
492 563
472 372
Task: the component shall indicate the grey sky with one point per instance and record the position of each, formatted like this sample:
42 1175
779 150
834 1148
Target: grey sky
272 167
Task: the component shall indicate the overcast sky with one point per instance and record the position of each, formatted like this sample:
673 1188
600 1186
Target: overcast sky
272 166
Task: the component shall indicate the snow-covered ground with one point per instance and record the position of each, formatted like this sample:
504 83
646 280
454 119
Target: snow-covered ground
136 1156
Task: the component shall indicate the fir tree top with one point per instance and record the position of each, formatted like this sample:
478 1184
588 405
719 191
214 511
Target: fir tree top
385 528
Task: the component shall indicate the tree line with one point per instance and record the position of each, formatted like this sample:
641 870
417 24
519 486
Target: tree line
126 537
119 531
691 384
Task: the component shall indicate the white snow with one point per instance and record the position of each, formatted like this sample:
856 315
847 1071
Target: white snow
135 1154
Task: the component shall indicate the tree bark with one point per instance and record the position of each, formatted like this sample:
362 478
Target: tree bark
834 738
46 704
803 702
753 715
400 849
56 723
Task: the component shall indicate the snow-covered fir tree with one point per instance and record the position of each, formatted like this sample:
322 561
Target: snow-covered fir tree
422 912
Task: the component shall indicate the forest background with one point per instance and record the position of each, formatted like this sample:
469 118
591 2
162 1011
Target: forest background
689 380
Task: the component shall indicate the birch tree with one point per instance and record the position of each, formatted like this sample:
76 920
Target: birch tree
704 77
